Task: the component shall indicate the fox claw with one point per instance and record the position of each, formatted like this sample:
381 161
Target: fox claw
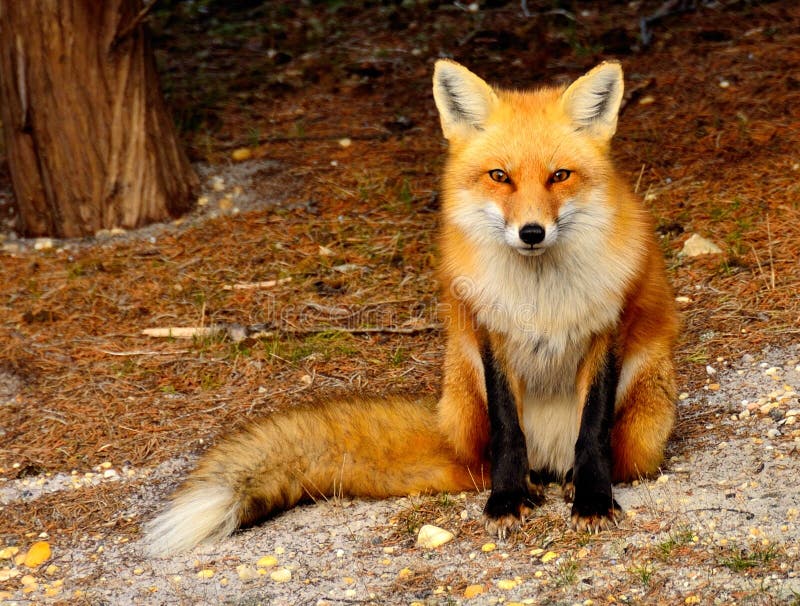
505 510
596 523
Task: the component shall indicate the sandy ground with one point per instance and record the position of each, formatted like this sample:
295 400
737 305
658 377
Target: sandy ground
719 526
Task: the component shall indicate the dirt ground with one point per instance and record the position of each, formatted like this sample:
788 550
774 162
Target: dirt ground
334 198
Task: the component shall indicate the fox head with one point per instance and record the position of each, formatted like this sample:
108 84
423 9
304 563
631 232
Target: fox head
527 168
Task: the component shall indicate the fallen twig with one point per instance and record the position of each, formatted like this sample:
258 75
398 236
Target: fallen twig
142 352
237 332
256 285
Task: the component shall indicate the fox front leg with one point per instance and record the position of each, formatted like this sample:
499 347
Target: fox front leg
511 499
593 506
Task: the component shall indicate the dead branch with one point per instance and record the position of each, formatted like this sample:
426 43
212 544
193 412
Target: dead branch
237 332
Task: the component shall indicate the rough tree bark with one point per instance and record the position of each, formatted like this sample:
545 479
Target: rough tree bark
89 140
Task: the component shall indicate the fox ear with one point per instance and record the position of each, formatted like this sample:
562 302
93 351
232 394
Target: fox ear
593 100
464 100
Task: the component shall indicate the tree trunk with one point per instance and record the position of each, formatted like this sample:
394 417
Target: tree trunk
89 140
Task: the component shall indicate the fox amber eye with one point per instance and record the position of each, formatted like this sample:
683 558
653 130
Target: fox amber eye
499 175
562 174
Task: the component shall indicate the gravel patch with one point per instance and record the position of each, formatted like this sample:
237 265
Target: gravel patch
719 526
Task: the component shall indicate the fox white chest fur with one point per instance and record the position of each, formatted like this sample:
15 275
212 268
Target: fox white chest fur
546 307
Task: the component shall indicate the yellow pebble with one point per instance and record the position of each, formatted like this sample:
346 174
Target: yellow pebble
206 573
241 154
8 552
473 590
550 555
282 575
38 553
487 547
506 584
267 562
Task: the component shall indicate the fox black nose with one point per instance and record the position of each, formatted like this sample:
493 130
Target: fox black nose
531 233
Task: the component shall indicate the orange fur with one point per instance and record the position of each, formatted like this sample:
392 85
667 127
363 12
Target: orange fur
549 317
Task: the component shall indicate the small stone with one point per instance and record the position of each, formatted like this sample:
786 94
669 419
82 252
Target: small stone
506 584
772 370
487 547
345 142
683 396
205 573
714 386
37 554
225 204
647 100
246 573
267 561
43 243
282 575
8 552
8 573
218 183
431 537
473 590
697 245
241 154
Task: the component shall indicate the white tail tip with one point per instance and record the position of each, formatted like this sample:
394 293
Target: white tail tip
195 515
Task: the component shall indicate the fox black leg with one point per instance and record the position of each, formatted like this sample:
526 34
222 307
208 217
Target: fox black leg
593 506
510 499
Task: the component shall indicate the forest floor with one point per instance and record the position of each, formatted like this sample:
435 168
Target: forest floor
327 108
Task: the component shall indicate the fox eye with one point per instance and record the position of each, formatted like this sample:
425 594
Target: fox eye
562 174
499 175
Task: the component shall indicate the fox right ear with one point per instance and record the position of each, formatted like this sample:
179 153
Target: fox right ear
464 100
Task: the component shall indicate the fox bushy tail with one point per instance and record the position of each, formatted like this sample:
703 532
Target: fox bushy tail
358 448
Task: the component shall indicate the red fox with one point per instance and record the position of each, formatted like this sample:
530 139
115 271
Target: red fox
560 329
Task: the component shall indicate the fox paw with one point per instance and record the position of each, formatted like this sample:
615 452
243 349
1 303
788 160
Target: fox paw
595 521
505 509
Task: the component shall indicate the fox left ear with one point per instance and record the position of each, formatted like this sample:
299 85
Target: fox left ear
593 100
